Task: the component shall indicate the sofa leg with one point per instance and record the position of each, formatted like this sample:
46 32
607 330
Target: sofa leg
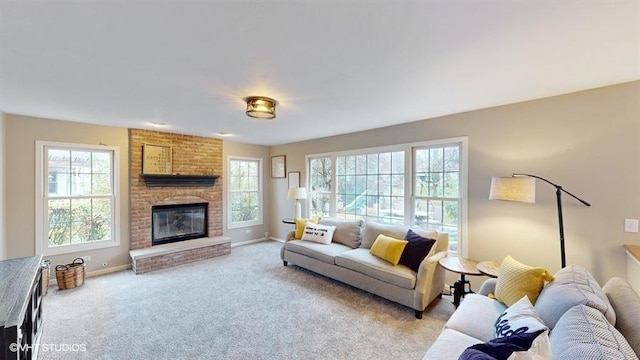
285 262
418 314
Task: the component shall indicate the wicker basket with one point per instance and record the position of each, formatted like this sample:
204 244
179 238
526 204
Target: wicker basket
46 273
71 275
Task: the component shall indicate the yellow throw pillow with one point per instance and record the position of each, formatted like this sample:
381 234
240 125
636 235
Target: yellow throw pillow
388 248
301 223
516 280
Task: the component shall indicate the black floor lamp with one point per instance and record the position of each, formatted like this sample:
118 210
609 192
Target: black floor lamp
522 188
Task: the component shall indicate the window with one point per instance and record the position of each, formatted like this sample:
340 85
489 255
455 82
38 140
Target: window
320 174
371 186
437 190
76 202
245 192
419 185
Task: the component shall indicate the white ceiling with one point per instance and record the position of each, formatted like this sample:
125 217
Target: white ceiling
335 66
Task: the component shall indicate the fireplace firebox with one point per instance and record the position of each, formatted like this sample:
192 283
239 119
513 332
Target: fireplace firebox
179 222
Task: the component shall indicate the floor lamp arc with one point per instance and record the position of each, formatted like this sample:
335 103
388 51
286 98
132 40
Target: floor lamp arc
522 188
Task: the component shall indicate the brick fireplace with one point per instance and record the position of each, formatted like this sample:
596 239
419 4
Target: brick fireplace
192 155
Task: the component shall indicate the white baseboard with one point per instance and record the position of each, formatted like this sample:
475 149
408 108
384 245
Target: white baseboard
271 238
108 270
242 243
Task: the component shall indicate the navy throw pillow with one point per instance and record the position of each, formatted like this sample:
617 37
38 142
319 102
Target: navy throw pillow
500 348
416 250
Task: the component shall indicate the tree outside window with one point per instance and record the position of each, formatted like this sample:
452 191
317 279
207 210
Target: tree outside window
78 192
371 185
245 192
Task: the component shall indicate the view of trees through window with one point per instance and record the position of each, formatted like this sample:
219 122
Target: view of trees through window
245 191
320 176
79 196
372 186
437 194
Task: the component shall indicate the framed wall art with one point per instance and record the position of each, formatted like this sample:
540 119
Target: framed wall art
156 159
278 167
294 179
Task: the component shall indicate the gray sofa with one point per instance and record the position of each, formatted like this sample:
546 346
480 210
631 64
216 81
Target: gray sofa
585 320
347 259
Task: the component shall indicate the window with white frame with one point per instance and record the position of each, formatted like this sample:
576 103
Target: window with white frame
437 189
245 192
371 186
419 185
320 177
76 197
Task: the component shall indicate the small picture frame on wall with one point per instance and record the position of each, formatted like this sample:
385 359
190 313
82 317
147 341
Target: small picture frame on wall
156 159
278 167
294 179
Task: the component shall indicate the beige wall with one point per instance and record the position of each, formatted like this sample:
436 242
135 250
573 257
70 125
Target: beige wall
22 132
3 245
588 142
230 148
21 135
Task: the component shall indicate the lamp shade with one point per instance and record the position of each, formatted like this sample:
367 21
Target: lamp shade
297 193
520 189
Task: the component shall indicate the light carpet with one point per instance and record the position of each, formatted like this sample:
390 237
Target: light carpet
245 305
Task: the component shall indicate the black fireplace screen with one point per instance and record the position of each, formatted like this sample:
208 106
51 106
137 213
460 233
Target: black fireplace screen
171 223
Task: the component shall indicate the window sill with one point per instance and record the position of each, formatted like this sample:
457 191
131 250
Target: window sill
69 249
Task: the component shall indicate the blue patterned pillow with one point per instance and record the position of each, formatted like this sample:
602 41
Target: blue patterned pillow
534 345
519 318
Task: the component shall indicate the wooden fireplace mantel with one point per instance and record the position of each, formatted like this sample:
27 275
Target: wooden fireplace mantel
154 180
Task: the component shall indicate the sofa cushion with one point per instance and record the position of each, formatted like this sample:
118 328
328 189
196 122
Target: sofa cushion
371 231
348 232
626 304
318 233
417 248
449 345
584 333
476 317
361 261
516 280
519 318
322 252
388 249
573 285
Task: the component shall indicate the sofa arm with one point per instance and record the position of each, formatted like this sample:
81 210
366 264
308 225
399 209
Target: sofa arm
429 280
488 287
290 236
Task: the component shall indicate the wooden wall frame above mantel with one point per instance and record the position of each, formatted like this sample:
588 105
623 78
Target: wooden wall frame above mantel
157 159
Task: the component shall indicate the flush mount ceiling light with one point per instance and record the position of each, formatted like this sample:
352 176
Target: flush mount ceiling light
261 107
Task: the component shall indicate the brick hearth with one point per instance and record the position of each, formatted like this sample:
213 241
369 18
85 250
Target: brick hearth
168 255
192 155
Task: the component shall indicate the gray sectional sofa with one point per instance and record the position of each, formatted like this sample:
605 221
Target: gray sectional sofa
585 320
347 259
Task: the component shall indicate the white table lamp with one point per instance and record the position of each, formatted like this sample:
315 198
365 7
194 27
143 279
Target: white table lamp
297 194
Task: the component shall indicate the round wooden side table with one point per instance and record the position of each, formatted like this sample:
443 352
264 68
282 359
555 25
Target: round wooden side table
463 267
489 268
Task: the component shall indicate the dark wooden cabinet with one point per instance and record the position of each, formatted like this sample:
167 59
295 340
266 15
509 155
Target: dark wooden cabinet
20 307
